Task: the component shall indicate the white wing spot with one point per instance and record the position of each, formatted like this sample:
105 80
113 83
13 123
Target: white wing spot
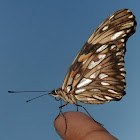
99 67
79 91
108 98
105 28
95 90
84 82
111 17
90 100
121 64
101 76
117 35
97 97
101 48
130 23
128 30
103 83
123 74
124 35
112 91
113 46
128 11
84 61
122 40
131 16
94 75
92 64
118 53
123 80
68 89
122 69
77 76
81 98
101 56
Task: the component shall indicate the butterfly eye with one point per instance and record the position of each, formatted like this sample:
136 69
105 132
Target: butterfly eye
54 93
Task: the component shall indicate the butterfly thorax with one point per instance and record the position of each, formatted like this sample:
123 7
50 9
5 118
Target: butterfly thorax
67 97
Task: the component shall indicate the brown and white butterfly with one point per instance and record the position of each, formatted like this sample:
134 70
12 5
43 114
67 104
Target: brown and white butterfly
97 74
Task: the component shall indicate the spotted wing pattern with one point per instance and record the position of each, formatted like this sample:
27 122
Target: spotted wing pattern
97 74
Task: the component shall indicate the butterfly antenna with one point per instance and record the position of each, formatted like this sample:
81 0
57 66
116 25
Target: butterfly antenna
25 91
37 97
30 91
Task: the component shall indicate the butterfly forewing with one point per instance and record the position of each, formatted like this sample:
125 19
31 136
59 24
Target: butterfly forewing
97 74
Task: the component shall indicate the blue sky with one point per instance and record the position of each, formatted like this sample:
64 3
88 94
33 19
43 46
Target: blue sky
38 42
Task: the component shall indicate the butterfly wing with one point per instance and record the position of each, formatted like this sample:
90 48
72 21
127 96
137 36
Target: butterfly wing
97 74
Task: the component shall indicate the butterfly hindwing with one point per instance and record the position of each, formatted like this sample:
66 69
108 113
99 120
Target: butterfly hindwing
97 74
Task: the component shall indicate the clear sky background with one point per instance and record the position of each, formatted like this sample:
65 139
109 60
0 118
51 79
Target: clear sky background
38 41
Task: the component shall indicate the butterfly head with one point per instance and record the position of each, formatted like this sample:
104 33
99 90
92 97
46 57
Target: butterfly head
54 93
57 93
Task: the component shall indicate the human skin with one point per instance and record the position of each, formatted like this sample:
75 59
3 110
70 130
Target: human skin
80 127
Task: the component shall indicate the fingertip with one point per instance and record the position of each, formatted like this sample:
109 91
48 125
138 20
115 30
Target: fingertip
59 126
79 126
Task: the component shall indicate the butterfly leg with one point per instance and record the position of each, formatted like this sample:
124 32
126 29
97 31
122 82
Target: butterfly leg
57 99
88 113
85 110
60 108
77 107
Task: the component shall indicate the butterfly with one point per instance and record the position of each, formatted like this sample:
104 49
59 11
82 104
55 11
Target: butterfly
97 74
